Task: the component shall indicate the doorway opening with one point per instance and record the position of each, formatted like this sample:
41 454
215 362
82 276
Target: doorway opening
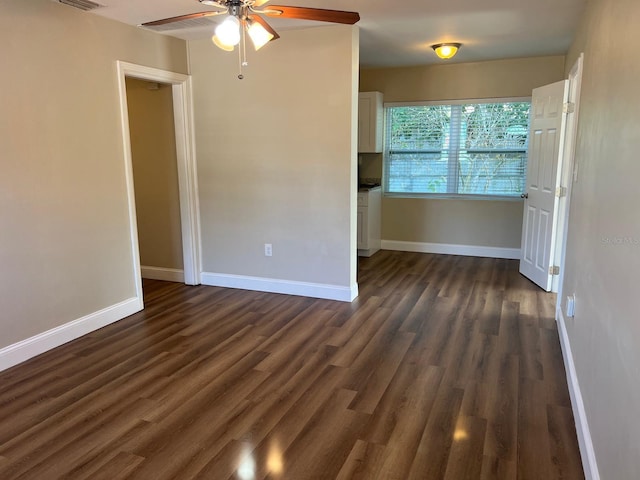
181 93
155 179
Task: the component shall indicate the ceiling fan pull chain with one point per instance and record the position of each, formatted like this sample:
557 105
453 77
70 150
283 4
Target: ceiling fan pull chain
240 75
244 43
242 50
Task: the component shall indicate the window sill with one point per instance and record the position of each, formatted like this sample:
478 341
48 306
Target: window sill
453 196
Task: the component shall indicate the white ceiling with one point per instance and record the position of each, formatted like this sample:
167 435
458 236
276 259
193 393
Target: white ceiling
400 32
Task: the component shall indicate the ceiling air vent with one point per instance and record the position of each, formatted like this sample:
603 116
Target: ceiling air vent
85 5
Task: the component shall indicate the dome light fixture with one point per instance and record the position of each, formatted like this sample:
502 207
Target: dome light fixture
446 50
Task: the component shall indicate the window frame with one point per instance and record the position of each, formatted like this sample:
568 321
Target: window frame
457 196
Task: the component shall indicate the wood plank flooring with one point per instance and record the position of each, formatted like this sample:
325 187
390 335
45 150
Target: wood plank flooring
445 367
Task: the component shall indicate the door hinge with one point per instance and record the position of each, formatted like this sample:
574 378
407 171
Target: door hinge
561 192
568 107
554 270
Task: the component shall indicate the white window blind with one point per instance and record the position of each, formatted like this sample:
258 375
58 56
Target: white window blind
457 149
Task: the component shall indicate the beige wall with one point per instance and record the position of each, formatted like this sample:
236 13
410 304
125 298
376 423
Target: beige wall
458 81
277 156
65 250
155 173
453 221
603 250
466 222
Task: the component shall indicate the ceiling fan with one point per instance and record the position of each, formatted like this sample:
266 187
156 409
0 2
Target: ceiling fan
245 18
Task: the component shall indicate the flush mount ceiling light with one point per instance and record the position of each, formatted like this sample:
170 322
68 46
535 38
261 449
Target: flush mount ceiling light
244 18
446 50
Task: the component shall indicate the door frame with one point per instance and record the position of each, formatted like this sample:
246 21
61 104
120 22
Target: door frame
569 174
182 93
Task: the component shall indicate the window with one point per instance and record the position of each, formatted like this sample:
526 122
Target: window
463 148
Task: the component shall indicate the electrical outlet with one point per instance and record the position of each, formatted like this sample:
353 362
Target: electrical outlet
570 307
268 250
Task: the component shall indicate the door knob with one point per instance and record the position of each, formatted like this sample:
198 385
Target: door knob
524 195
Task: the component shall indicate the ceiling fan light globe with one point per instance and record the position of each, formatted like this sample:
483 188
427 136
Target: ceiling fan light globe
216 41
228 32
259 35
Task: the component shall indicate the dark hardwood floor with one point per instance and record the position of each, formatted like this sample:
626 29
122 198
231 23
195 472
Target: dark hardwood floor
445 367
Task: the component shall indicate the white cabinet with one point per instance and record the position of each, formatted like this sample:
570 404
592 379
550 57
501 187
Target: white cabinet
369 211
370 122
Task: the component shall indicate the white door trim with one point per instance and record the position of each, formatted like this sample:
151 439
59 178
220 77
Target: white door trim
186 163
569 174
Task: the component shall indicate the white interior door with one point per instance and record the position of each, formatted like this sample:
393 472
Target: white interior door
539 225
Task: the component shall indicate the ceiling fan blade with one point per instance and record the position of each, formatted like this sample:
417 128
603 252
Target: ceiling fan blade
318 14
182 18
265 25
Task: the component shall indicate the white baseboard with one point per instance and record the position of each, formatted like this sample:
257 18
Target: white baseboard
26 349
289 287
161 273
587 451
452 249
